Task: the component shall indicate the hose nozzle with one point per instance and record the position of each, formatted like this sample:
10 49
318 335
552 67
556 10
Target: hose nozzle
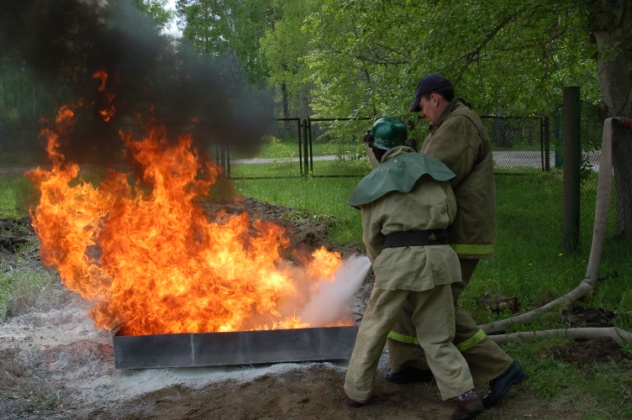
624 121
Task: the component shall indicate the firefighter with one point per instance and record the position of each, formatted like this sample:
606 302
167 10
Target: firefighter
458 139
413 263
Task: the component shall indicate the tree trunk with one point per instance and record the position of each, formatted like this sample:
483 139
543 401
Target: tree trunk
613 39
622 147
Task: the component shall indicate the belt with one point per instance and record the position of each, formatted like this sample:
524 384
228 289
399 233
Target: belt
416 238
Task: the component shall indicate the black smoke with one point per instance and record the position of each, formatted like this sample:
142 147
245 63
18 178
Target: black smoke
151 78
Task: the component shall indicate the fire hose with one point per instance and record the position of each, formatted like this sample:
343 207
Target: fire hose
604 187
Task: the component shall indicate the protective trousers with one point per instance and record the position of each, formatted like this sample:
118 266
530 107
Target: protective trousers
433 316
486 359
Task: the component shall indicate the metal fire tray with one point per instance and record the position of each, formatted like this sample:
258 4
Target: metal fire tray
233 348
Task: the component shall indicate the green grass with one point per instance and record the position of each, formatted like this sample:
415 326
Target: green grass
24 283
605 392
530 264
22 288
15 192
324 197
530 261
287 168
275 148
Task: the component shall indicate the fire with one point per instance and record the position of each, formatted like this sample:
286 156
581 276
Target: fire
149 258
108 112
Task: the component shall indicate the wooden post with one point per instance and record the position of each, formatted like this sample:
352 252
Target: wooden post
572 161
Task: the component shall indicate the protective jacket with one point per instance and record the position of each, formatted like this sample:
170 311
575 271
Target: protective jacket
408 196
459 140
407 183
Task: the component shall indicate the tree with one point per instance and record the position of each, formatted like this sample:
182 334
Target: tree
228 28
612 32
283 47
359 56
491 51
510 56
156 10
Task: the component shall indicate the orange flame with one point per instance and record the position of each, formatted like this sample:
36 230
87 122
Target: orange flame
108 112
103 76
152 261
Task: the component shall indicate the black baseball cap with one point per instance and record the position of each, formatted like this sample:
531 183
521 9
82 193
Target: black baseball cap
428 85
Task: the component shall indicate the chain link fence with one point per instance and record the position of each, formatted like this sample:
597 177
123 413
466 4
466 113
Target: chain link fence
527 150
333 147
519 143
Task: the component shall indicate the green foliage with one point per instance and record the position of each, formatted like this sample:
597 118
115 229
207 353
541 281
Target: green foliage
506 57
228 28
18 101
281 150
283 47
358 53
155 9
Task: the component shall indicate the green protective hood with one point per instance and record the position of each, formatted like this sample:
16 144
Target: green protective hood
399 173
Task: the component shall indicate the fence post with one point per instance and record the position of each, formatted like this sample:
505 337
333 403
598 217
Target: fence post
304 162
547 144
222 159
571 164
311 151
301 132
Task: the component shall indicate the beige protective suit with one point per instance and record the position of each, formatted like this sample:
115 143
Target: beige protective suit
402 195
459 140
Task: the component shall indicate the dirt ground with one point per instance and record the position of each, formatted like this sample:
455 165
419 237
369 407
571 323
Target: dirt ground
55 364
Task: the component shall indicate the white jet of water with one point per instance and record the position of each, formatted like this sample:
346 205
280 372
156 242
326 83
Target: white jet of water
333 299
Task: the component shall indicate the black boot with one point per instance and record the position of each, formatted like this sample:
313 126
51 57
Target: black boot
351 403
500 386
468 406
